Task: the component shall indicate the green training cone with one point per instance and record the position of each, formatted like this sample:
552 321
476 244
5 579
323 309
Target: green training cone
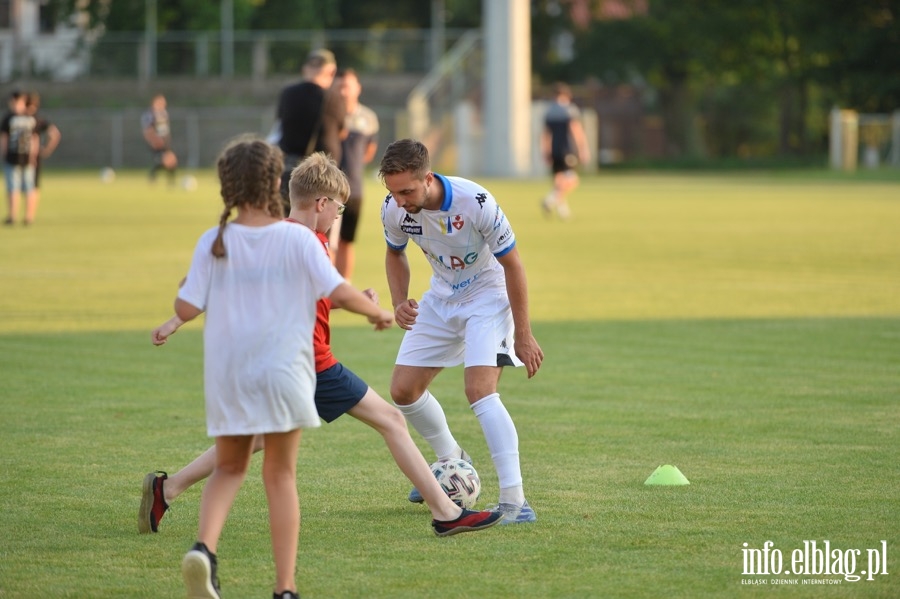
667 475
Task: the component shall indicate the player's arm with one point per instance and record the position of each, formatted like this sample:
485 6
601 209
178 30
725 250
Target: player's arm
53 137
338 108
4 143
369 293
578 135
184 312
153 140
526 346
545 144
349 298
396 265
371 148
35 148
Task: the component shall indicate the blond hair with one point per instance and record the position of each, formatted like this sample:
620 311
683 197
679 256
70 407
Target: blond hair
317 175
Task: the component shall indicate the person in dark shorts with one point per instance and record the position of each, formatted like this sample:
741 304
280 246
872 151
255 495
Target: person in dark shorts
19 145
158 135
338 391
357 150
564 147
49 138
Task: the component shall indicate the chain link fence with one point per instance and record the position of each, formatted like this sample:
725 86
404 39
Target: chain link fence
241 54
97 138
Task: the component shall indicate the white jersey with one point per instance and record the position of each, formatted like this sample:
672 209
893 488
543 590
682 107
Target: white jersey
260 304
462 240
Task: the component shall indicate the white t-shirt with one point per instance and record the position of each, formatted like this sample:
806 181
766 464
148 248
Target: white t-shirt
461 240
260 303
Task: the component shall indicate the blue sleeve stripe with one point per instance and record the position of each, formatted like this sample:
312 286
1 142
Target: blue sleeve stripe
399 248
506 251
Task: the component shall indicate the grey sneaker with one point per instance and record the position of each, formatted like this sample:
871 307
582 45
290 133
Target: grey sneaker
199 571
514 514
416 497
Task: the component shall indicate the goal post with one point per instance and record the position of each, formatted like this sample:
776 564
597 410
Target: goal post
870 140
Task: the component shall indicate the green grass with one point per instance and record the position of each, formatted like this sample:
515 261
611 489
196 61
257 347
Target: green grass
745 328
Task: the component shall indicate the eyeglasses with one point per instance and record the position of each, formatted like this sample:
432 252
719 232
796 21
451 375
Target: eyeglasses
341 207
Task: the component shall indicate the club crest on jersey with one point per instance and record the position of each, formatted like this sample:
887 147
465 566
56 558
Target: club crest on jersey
409 226
452 222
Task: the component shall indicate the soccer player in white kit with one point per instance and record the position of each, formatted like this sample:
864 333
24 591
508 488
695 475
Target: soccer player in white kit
474 313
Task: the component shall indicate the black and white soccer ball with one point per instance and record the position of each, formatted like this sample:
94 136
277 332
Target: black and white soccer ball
459 480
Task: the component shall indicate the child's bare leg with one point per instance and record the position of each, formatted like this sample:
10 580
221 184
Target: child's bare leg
389 421
232 460
199 469
280 478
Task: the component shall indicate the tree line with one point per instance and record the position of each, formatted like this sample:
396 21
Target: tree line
729 77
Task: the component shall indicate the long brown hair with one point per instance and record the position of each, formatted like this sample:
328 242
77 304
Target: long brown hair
249 173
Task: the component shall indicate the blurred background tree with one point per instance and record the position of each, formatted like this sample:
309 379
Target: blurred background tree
728 78
735 77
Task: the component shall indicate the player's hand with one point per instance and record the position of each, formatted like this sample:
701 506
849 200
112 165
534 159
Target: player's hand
405 314
371 294
162 333
531 354
383 321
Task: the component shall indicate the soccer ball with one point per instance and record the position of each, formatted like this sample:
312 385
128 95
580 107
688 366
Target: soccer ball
189 183
459 480
107 175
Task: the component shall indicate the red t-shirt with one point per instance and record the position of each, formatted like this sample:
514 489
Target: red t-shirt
322 333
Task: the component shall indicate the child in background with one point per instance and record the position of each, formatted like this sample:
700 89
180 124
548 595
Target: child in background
48 136
19 145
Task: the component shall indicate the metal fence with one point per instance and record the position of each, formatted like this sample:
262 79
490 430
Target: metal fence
254 54
96 138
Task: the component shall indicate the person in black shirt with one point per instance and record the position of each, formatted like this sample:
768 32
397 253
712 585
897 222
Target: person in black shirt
310 116
157 131
49 138
19 145
357 150
565 147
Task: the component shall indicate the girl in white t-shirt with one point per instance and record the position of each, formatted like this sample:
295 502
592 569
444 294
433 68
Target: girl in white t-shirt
258 279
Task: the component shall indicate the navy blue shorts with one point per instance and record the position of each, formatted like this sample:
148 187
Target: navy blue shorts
338 389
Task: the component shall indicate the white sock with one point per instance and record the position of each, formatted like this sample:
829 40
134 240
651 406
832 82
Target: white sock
503 443
427 416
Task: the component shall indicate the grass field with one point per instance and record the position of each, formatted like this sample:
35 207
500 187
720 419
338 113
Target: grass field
745 328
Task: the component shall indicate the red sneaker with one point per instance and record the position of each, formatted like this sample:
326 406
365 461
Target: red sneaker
153 502
468 520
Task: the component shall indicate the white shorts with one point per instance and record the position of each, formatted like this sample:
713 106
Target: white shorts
478 332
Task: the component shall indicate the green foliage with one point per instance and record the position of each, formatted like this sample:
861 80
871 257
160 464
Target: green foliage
706 58
743 328
200 15
730 78
171 15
